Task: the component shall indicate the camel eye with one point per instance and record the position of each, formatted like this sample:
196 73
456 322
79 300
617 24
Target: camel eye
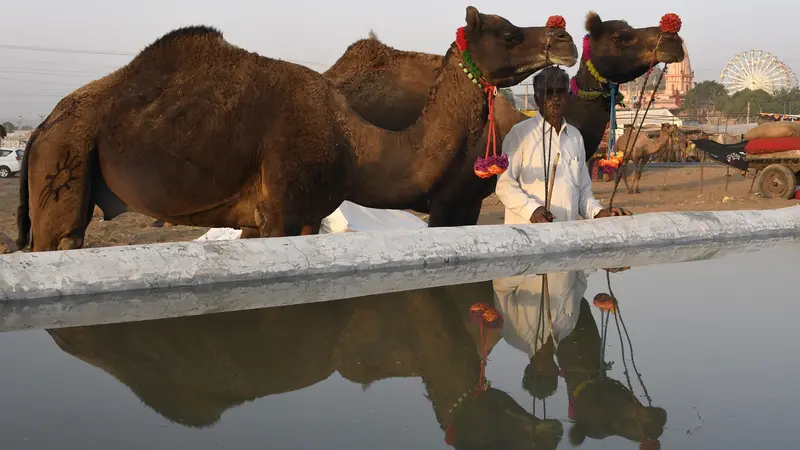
509 38
623 38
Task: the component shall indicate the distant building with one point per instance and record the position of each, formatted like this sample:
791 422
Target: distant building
674 86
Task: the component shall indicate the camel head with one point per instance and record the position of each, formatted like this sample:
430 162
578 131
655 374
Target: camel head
507 54
621 53
668 129
495 420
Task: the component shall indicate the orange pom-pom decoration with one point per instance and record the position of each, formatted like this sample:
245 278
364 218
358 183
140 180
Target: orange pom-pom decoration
605 302
556 22
477 310
670 23
492 318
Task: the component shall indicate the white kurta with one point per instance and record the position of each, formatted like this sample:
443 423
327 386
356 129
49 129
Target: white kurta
519 298
521 187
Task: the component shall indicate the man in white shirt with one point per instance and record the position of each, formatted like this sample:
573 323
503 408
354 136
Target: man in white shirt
521 187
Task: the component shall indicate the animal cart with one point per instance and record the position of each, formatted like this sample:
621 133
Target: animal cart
775 160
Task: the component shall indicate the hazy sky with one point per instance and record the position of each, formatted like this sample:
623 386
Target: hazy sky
316 33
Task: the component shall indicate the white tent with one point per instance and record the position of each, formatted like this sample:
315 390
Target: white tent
654 119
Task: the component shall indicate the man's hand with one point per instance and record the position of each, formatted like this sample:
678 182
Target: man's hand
609 212
542 215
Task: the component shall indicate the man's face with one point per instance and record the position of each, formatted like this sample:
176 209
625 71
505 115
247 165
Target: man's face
551 100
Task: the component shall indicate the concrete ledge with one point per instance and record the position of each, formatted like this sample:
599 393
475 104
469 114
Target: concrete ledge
26 276
148 304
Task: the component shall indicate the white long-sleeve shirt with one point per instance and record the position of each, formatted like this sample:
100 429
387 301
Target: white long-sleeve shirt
521 186
519 299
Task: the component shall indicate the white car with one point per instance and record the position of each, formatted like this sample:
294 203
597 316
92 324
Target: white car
10 161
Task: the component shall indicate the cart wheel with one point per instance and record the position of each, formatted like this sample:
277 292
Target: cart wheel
777 181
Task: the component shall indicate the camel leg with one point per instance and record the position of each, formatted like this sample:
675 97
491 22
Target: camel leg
59 189
639 170
625 176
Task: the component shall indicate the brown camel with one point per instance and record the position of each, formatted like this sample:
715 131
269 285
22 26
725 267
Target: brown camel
3 133
641 150
602 406
193 369
388 87
147 137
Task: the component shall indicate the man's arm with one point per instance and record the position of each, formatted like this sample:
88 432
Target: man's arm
588 206
508 189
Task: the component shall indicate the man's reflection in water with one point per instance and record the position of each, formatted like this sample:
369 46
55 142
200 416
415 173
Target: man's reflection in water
599 406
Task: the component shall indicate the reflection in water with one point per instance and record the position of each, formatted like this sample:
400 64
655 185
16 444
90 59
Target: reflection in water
191 370
599 406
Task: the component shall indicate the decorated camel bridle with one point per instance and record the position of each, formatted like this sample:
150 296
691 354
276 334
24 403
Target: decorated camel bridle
495 164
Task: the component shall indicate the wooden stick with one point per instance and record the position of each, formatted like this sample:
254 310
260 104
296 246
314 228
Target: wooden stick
702 164
755 175
727 178
546 286
552 182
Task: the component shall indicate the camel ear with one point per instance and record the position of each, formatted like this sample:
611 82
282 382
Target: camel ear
594 24
474 20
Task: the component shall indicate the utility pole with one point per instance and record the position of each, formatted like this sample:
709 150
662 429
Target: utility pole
41 118
526 96
748 112
19 122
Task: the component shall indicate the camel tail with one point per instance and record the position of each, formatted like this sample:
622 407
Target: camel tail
23 210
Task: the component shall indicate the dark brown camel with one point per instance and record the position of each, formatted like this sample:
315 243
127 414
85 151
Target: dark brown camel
389 90
148 137
3 133
641 150
193 369
602 406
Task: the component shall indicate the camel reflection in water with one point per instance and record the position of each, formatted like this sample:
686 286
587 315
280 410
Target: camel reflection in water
599 406
193 369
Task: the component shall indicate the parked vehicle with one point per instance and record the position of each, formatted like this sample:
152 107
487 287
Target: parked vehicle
10 161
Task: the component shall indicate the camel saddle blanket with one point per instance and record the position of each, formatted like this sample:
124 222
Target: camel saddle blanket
772 145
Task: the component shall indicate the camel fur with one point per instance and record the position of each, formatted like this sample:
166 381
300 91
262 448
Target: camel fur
149 137
388 87
640 151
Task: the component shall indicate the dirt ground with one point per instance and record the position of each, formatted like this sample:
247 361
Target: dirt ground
680 193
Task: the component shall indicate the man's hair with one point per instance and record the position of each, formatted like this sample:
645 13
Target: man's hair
550 77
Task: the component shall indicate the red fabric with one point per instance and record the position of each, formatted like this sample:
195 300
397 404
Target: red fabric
797 195
772 145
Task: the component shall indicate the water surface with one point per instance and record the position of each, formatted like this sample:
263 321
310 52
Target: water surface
713 341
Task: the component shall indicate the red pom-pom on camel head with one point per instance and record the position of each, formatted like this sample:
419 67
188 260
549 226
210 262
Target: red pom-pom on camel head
556 22
670 23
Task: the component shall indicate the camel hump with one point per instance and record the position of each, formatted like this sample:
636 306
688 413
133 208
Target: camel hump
182 34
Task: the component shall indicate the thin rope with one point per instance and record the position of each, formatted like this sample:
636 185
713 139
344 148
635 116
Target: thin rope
630 142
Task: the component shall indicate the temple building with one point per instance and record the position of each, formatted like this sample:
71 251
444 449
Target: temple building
674 86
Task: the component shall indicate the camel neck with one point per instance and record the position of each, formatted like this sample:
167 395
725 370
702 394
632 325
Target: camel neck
394 167
587 109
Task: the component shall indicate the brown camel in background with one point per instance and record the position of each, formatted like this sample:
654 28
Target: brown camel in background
3 133
145 138
390 89
641 150
191 370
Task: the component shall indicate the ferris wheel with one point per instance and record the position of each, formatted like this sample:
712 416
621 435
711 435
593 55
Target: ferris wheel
757 69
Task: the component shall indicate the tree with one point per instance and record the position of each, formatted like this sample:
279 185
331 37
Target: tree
707 94
372 35
508 94
10 127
